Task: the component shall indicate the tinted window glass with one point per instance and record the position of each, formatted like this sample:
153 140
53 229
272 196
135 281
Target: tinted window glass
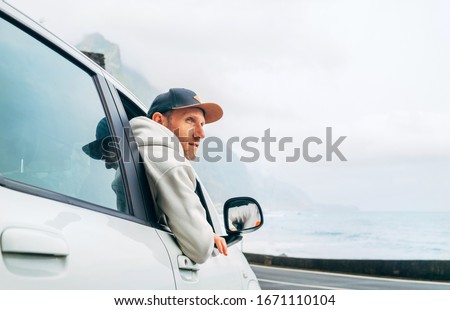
50 111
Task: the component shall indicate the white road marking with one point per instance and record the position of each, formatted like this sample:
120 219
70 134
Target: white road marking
354 276
300 285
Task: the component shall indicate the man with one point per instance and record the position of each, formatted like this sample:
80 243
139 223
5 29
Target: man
171 177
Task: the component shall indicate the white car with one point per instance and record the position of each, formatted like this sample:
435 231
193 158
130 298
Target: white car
67 220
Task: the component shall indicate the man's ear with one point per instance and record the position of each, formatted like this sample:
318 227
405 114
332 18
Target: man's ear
159 118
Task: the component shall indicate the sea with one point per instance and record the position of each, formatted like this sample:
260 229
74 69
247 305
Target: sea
353 235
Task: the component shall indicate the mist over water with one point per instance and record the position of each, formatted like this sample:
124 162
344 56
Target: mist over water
353 235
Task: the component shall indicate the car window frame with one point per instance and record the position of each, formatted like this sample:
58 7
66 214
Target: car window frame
138 185
142 187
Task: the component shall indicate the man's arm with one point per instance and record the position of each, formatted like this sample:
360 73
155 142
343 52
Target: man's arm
185 214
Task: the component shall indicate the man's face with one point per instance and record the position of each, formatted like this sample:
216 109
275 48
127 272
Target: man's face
187 125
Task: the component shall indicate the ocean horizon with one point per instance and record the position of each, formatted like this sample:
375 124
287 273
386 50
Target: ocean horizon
353 235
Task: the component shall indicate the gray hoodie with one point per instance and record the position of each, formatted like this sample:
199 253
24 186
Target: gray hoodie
172 183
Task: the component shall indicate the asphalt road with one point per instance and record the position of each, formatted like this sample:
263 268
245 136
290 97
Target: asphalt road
271 278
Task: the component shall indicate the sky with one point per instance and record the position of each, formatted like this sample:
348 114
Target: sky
376 72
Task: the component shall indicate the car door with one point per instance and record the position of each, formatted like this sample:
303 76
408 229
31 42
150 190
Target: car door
68 219
218 272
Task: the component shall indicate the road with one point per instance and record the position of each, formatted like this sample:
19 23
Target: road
271 278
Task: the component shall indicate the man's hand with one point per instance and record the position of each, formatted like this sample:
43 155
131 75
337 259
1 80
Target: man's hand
221 244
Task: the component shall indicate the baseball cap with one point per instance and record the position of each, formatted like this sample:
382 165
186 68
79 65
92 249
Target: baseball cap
180 98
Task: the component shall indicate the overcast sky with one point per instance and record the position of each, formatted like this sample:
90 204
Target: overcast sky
377 72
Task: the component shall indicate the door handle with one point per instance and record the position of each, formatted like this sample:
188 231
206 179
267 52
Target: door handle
32 241
184 263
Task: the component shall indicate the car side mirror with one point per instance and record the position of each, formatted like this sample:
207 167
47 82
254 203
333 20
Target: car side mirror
242 215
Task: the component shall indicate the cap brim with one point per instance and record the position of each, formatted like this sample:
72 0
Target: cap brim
213 111
96 149
93 149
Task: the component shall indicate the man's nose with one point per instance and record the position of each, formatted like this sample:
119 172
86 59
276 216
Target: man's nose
199 132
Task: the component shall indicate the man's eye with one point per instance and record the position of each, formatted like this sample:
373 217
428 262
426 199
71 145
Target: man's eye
190 120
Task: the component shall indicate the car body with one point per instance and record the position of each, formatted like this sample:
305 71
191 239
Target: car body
60 224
